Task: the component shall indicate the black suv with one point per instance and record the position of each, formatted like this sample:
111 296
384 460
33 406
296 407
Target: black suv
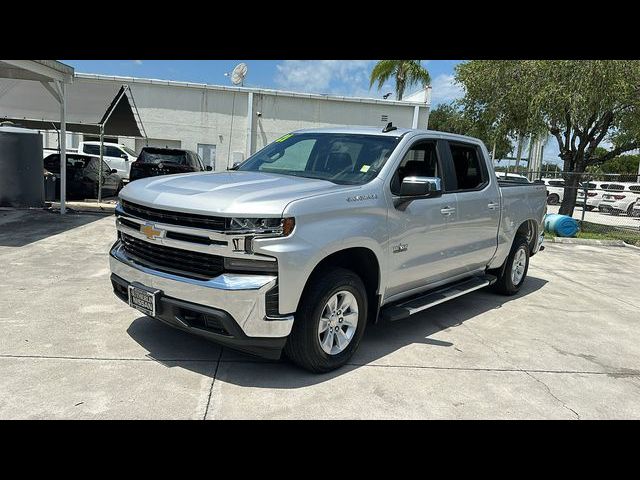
154 161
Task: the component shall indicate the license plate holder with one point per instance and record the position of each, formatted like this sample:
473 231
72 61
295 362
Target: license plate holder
143 298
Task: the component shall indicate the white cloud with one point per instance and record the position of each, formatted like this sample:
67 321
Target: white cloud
137 62
444 89
340 77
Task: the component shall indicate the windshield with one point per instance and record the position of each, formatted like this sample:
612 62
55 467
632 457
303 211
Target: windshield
158 155
341 158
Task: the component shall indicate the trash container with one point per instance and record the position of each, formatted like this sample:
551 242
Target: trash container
49 187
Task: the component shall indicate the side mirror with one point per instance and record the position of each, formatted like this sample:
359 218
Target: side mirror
420 187
208 168
235 166
125 156
113 170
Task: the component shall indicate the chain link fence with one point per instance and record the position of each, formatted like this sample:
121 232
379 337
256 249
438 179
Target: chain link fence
605 205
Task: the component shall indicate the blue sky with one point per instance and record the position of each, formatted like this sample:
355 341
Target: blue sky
340 77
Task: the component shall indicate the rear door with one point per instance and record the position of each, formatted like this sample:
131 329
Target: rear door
473 228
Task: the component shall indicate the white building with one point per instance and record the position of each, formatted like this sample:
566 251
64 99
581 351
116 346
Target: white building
226 124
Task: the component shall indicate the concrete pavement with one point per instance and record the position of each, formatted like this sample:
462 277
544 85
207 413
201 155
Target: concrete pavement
564 347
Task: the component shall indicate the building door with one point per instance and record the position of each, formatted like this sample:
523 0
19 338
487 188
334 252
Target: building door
207 153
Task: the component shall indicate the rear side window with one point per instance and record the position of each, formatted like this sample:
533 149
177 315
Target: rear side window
614 187
467 166
635 188
92 149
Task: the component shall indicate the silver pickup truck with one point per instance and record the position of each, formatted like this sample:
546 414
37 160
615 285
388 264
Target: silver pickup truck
320 233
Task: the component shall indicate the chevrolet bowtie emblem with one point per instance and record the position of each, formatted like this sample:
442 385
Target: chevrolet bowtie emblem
150 232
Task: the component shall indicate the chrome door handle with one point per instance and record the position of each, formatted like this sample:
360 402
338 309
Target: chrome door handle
447 210
493 205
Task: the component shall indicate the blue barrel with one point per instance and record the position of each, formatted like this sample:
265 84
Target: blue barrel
561 225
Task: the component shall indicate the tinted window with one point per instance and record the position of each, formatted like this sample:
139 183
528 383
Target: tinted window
420 161
635 188
92 149
556 183
614 187
467 166
113 151
158 155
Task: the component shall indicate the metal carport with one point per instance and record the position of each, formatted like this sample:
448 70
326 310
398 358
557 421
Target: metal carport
42 94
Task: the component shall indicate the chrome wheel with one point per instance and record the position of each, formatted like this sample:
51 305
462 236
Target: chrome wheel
519 264
338 322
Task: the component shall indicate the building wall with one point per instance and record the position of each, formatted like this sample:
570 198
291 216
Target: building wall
215 118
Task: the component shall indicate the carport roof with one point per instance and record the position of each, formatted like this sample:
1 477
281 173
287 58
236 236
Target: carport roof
24 101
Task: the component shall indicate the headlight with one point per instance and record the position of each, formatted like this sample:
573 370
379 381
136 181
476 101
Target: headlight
274 226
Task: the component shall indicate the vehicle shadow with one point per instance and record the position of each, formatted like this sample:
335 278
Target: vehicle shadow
20 227
175 348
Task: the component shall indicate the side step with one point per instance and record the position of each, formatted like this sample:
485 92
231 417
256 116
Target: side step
411 306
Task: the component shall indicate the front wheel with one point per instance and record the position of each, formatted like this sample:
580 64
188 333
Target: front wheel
329 323
512 276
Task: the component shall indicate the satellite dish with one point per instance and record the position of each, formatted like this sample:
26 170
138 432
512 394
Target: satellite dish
238 74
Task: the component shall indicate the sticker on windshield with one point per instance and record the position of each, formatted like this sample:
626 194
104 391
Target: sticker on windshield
364 169
284 137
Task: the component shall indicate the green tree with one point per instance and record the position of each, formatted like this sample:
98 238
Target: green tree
622 165
405 72
451 118
580 103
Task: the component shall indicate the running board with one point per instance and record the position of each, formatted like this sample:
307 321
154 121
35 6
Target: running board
406 308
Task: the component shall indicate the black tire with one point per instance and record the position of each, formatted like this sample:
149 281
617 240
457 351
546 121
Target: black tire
504 285
119 187
553 199
630 210
303 345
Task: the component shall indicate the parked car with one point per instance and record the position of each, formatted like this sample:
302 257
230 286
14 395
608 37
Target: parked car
595 191
117 156
154 161
555 190
319 233
82 176
622 201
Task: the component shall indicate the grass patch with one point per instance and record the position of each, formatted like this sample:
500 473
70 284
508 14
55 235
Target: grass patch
596 231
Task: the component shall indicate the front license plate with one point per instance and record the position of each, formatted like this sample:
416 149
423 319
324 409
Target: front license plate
143 298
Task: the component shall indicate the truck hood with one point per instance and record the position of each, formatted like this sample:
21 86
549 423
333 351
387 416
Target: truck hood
225 193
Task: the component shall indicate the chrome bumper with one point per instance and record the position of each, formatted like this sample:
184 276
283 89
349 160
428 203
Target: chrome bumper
240 295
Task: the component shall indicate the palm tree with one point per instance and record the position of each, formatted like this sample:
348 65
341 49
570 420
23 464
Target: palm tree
406 73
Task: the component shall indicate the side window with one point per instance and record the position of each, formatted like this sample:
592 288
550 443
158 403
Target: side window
113 152
91 149
420 161
467 166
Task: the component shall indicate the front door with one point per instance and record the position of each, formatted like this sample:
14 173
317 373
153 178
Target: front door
418 231
117 159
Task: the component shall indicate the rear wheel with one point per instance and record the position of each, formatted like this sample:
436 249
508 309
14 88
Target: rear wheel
553 199
512 276
329 323
630 210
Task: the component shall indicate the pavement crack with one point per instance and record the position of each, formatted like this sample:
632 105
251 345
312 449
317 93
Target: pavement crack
213 381
564 405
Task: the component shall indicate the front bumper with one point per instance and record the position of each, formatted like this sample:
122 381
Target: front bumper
229 309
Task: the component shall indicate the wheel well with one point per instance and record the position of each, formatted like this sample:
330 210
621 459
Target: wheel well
528 230
364 263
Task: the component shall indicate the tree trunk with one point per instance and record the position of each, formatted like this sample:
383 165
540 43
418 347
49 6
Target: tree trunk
519 152
571 185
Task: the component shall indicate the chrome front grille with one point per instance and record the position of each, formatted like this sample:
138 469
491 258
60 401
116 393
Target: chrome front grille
174 218
173 260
